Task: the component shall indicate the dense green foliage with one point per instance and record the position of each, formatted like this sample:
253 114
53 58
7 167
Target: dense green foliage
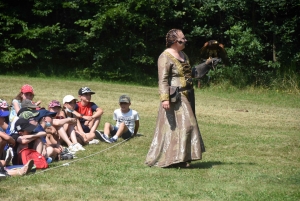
121 39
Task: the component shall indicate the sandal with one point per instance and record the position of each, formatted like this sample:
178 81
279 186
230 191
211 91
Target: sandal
26 168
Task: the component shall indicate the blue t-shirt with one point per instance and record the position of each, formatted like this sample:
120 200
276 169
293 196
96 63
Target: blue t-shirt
39 128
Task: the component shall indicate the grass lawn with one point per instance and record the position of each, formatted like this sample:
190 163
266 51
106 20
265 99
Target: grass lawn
252 140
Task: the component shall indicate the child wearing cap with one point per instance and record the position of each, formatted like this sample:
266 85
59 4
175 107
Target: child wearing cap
26 92
40 119
65 127
4 107
89 115
127 122
25 136
68 111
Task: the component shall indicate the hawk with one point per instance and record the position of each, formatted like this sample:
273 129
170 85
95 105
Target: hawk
214 49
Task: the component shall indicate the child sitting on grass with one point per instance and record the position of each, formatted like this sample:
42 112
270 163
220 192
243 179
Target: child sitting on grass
26 92
64 127
90 115
127 122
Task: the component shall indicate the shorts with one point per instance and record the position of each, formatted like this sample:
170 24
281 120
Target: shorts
85 128
125 135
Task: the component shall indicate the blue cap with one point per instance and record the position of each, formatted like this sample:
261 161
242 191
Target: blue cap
4 113
44 113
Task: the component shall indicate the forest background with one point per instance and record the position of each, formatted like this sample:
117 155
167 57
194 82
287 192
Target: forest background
120 40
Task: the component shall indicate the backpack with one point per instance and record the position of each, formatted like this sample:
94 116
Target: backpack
27 154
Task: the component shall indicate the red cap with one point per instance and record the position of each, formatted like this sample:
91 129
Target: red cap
27 89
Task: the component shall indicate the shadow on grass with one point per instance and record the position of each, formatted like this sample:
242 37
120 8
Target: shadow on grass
138 135
210 164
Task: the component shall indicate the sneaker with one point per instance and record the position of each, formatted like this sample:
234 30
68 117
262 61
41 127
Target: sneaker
72 148
8 157
67 151
3 173
105 138
66 156
98 135
94 141
112 140
49 160
2 176
79 147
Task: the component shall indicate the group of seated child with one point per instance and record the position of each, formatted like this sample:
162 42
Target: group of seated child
59 131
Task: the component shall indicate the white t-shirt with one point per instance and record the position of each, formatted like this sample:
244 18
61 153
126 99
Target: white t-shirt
129 118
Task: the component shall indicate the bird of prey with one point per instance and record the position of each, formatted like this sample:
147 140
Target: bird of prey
214 49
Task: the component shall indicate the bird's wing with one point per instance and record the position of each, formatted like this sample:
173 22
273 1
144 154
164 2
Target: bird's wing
222 54
204 51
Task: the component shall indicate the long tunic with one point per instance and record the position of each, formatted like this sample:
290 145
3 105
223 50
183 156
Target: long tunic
177 136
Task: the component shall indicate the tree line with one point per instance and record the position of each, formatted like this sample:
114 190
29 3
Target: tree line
122 39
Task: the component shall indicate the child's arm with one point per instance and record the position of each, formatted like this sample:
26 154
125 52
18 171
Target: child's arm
79 127
61 122
25 139
16 106
98 113
38 102
8 139
136 127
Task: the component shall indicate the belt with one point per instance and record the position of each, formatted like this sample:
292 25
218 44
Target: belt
184 88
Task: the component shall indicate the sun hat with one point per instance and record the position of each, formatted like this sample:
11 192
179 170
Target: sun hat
4 113
28 103
27 89
24 125
28 114
3 104
54 103
68 98
85 90
44 113
23 109
124 99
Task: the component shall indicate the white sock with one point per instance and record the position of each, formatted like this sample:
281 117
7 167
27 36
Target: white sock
115 137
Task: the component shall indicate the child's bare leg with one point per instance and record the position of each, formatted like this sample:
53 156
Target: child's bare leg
38 145
23 171
122 129
91 123
51 153
91 135
72 134
107 129
83 137
2 144
63 135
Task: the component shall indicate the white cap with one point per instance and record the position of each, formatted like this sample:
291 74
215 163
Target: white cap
68 98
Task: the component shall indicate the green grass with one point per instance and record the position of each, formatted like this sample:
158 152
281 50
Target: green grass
252 139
